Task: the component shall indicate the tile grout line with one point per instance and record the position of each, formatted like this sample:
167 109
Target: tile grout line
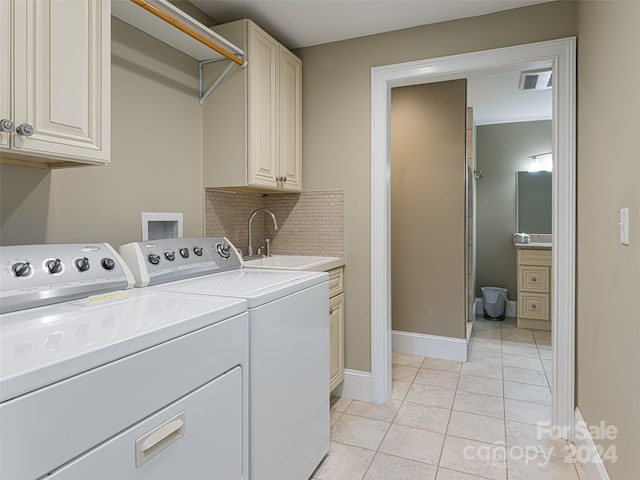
446 430
391 423
504 406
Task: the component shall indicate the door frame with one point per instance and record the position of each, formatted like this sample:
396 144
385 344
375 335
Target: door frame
562 54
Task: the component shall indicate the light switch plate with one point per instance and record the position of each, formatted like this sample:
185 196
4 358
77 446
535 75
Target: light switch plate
624 226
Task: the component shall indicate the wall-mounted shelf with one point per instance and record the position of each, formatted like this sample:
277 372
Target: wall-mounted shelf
170 25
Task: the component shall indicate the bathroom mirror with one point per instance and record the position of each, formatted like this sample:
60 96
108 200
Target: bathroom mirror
533 197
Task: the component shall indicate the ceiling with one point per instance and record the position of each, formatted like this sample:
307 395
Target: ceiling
301 23
496 98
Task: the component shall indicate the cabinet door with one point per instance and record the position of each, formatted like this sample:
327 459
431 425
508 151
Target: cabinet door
290 121
62 78
6 32
263 111
336 341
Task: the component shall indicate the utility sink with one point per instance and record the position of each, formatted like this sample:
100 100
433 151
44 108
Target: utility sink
296 262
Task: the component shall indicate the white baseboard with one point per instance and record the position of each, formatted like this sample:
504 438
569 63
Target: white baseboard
593 467
356 386
510 311
447 348
478 306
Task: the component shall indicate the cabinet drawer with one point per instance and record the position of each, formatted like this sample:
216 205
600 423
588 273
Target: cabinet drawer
533 279
336 281
533 305
530 256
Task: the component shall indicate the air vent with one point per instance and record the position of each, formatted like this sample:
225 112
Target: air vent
535 80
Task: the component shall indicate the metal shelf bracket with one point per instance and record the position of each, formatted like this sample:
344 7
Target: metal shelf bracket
225 72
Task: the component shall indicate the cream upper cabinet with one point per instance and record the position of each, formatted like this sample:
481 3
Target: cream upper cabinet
6 35
55 81
252 120
263 108
290 120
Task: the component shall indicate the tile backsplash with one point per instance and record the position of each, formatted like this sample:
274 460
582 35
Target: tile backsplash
227 214
309 223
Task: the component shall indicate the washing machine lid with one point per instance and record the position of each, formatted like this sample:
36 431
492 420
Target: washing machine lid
257 286
41 346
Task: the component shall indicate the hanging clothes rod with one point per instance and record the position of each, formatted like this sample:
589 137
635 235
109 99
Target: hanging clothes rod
188 31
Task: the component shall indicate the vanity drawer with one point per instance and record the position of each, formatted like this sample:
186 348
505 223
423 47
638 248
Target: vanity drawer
533 278
336 281
531 256
533 305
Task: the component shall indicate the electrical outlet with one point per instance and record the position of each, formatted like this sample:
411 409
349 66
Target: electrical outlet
624 226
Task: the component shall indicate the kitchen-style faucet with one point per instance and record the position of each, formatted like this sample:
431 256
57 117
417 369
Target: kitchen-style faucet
275 227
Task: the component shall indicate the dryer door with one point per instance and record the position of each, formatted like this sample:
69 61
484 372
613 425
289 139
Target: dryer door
198 436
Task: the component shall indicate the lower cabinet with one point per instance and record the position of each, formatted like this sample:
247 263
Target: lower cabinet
336 327
336 341
534 288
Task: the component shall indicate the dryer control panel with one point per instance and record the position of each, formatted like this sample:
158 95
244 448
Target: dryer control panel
170 259
36 275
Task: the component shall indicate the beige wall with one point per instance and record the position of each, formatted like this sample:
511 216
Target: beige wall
428 138
337 122
156 162
502 150
608 323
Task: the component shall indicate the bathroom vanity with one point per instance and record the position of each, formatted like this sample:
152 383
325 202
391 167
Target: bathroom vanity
534 285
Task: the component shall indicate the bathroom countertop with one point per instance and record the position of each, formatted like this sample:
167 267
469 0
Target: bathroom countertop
540 245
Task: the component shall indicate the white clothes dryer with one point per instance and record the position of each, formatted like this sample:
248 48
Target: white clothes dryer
127 384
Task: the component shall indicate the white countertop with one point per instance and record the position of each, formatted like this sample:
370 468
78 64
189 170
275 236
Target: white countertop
296 262
534 245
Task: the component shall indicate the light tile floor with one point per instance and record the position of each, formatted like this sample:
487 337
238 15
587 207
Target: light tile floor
456 421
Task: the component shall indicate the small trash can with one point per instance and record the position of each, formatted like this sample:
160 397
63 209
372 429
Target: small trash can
494 300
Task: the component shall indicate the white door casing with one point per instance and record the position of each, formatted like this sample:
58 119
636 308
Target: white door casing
562 54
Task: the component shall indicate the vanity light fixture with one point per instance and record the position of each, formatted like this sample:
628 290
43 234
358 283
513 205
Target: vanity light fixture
541 162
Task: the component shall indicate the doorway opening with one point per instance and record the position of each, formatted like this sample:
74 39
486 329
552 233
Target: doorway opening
561 55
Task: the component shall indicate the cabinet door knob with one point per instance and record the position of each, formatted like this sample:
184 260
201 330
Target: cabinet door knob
330 310
6 125
284 179
25 129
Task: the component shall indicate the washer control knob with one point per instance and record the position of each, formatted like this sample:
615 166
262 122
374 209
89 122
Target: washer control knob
184 252
197 251
22 269
54 266
154 259
108 263
171 256
82 264
223 250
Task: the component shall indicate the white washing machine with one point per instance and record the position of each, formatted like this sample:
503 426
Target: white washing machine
288 344
126 384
